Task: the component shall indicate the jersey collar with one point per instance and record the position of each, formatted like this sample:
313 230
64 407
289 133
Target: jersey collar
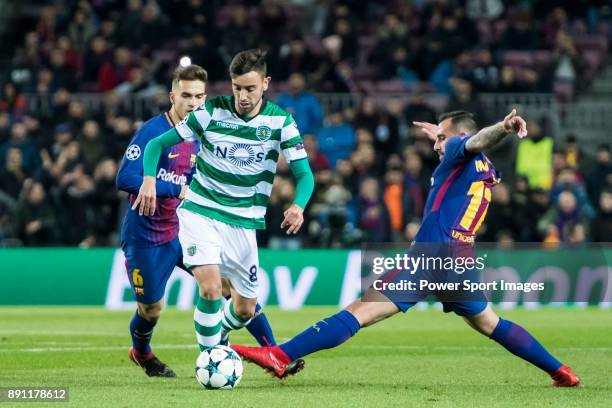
264 103
169 119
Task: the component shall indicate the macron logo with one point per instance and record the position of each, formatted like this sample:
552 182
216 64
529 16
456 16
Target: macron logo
227 125
171 177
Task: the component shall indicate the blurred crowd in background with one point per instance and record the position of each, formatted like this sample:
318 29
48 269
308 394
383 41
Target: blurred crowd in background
58 159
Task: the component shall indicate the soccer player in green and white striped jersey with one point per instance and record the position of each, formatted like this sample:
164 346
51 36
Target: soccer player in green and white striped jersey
241 138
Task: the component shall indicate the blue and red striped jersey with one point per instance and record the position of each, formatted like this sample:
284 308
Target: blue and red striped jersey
174 169
459 196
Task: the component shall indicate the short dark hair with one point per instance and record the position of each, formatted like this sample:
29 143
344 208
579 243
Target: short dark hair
189 73
463 119
247 61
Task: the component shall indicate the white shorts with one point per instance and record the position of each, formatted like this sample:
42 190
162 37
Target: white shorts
210 242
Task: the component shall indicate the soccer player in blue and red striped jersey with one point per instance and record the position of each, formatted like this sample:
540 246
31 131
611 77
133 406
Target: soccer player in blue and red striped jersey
456 206
150 243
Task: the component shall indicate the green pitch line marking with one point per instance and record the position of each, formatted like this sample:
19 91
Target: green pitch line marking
94 348
364 347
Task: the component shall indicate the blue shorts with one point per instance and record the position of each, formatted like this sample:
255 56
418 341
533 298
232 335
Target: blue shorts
454 298
149 268
466 308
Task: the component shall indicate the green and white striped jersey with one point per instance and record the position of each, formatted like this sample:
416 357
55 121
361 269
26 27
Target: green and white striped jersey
236 163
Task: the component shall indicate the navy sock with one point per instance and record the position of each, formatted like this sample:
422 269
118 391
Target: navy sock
260 329
519 342
326 333
141 331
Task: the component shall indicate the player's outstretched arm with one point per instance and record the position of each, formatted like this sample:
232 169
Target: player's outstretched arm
146 200
294 215
490 136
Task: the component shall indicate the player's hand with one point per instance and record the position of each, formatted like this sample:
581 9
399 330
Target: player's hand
294 218
33 227
146 197
430 129
515 124
184 189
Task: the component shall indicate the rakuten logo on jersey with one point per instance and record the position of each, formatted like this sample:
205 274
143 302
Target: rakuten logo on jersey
171 177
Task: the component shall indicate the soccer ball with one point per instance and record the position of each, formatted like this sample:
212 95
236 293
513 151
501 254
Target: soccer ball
218 367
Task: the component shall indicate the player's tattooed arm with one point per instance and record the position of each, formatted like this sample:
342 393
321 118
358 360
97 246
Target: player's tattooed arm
486 138
490 136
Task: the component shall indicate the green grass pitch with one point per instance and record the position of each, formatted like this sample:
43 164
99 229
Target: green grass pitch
423 358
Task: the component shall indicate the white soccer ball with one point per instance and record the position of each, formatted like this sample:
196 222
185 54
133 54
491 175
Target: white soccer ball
218 367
